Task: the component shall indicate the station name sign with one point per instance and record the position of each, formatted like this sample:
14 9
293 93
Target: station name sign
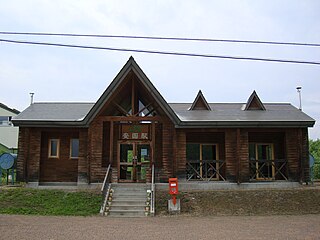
139 132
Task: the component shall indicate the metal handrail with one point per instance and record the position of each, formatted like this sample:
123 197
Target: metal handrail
105 190
153 193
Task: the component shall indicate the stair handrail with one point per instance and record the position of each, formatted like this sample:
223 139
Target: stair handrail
105 190
153 192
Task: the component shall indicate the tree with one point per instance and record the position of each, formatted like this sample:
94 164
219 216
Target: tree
314 149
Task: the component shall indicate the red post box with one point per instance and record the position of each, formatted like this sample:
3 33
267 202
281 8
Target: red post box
173 186
173 189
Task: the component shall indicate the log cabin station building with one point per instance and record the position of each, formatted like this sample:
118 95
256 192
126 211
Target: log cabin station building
132 128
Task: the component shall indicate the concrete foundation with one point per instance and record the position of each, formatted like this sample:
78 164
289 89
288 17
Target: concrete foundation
207 186
183 185
174 209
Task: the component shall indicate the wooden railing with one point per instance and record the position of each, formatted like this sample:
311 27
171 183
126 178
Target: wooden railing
153 192
205 170
268 169
105 190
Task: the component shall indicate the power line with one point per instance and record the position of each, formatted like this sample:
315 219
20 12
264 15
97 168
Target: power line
163 38
160 52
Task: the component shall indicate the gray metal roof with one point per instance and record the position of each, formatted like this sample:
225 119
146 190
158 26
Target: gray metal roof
50 111
234 114
222 114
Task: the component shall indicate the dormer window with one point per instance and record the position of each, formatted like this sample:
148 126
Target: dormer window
254 103
200 103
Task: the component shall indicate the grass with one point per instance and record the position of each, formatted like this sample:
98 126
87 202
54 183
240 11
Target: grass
245 202
49 202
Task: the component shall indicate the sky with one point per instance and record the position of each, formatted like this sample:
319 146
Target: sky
81 75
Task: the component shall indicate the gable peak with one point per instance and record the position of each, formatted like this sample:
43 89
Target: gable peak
254 102
200 103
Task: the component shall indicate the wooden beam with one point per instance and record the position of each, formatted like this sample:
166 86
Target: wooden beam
111 143
238 155
137 114
300 155
133 98
122 110
130 118
153 142
174 170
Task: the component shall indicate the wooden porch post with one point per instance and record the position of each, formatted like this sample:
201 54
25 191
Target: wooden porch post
238 156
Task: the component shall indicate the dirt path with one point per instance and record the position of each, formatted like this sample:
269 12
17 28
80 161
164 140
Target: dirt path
226 227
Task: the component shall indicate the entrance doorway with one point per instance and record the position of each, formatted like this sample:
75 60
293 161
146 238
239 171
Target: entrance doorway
133 161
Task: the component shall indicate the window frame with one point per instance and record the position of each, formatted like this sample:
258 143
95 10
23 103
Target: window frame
216 145
50 150
256 158
70 152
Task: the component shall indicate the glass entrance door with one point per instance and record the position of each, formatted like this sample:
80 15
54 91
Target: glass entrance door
134 161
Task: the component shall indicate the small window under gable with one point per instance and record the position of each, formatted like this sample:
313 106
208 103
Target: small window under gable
200 103
254 103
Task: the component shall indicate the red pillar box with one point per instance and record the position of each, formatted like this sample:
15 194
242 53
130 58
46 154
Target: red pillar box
174 203
173 186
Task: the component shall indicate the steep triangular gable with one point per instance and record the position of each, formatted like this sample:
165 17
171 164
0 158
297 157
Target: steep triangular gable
131 65
200 103
254 103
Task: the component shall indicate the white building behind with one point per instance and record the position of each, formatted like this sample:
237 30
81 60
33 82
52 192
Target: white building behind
8 133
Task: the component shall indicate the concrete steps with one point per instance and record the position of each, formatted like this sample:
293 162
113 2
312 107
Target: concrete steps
128 200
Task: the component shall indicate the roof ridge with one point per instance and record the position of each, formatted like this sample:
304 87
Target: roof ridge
64 102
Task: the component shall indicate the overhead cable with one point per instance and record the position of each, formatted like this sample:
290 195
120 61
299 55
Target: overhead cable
160 52
162 38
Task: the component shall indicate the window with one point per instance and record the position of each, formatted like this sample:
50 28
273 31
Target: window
202 163
262 160
74 148
5 121
54 147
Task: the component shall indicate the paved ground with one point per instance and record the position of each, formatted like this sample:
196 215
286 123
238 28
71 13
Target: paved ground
242 227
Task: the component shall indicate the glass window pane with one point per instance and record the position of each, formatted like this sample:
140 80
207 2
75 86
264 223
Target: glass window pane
252 151
143 151
193 151
74 148
54 148
208 152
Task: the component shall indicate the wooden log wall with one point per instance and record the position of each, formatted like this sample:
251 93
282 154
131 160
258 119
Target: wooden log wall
243 155
231 155
95 134
83 170
170 151
293 153
63 168
181 154
305 155
23 146
167 151
158 151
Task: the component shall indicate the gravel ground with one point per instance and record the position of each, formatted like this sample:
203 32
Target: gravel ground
171 227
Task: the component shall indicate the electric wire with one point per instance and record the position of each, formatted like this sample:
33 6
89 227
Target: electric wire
160 52
162 38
